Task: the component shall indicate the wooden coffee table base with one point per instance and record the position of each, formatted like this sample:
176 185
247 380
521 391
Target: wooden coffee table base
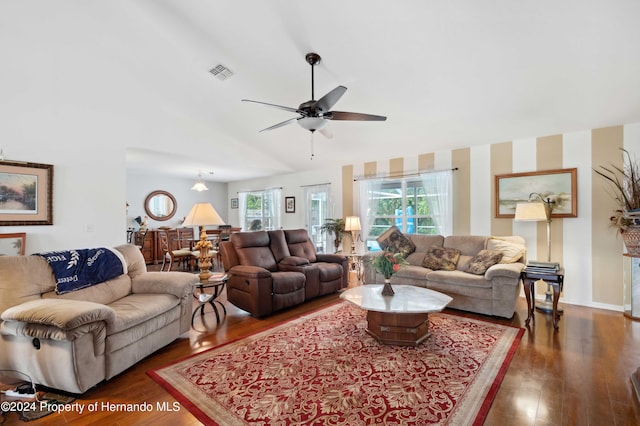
398 328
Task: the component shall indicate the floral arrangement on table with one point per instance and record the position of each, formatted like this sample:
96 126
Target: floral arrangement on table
387 264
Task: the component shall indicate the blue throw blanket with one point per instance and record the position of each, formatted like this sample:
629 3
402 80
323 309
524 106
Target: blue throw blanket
76 269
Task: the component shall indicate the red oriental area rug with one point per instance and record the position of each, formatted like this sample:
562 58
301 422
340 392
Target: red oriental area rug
323 368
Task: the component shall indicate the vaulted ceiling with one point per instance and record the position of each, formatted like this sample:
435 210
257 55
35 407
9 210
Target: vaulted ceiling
447 74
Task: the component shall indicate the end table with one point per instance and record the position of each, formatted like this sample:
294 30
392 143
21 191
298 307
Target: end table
217 285
355 264
554 278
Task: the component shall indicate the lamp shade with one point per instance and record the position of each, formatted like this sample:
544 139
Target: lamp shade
202 214
533 212
352 223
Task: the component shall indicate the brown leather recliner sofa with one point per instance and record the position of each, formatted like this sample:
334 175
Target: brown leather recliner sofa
274 270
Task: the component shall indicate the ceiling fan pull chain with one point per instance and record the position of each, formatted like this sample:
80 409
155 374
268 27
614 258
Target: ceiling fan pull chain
312 153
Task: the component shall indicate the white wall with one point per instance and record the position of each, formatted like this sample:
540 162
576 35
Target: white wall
139 185
88 195
293 186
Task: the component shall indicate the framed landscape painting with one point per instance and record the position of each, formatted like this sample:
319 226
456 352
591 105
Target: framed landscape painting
560 185
26 193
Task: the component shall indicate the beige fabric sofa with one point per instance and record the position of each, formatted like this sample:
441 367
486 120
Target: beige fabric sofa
73 341
493 293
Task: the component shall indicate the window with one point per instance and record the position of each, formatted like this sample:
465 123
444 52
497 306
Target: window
416 206
260 210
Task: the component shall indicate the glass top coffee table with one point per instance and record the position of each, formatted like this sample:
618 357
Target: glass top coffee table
401 319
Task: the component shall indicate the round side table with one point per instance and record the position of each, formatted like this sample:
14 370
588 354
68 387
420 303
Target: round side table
199 293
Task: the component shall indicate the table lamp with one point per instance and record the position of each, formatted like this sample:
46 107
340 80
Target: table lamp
203 214
538 211
352 223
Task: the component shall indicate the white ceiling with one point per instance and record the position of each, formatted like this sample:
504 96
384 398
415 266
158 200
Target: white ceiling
447 74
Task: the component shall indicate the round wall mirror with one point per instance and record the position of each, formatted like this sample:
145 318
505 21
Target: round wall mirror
160 205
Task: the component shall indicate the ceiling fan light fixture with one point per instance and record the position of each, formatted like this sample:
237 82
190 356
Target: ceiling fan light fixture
312 123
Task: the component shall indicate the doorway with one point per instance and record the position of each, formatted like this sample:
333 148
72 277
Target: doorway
318 209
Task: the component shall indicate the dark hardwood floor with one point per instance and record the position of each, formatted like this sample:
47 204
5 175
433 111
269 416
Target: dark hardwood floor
578 375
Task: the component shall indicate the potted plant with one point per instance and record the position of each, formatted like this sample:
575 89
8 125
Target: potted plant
335 227
387 264
625 185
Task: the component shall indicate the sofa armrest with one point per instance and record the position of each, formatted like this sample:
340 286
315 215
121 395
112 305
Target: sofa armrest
61 313
331 258
294 261
509 270
179 284
247 271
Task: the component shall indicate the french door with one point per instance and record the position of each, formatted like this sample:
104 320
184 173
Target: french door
318 208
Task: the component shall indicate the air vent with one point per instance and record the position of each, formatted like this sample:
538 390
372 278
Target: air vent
221 72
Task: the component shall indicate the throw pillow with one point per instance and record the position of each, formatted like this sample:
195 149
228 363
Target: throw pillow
441 258
395 241
479 264
511 252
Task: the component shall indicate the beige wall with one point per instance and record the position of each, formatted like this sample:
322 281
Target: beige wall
501 163
606 253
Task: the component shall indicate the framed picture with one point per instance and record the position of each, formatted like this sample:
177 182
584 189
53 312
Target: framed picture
26 191
289 204
234 203
560 185
12 244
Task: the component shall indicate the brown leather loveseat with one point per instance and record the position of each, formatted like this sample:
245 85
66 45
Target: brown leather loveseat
273 270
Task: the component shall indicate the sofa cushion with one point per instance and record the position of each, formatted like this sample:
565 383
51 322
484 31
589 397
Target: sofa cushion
395 241
23 278
329 271
253 248
300 244
511 251
423 242
287 282
441 258
413 272
469 245
482 261
278 245
139 308
104 293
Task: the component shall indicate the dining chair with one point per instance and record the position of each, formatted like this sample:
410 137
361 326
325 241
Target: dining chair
139 239
169 241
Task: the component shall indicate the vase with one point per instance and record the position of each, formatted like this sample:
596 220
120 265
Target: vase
387 290
631 238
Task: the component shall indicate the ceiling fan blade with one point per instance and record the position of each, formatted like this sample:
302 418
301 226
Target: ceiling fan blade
326 132
284 123
354 116
274 105
329 100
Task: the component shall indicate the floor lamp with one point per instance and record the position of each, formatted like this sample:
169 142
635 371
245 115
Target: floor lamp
538 211
352 223
203 214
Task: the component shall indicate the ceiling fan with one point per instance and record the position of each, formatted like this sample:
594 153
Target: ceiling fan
315 114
